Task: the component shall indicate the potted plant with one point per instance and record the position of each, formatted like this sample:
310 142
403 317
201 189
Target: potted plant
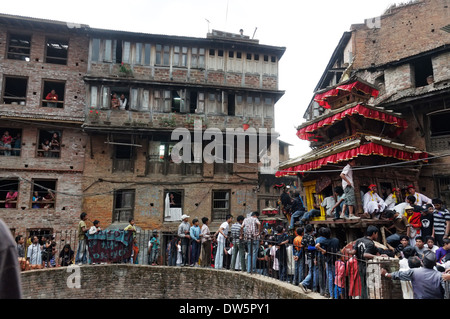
245 124
125 70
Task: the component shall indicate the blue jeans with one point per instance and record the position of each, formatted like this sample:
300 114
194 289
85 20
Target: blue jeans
299 268
153 257
298 213
330 276
253 246
195 252
309 279
308 215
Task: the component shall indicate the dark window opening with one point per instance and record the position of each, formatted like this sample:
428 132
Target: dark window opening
41 234
273 59
439 124
231 105
249 56
123 158
57 51
9 193
123 205
220 204
239 55
119 51
19 47
43 194
193 102
53 94
220 53
231 54
423 68
122 101
173 204
11 142
15 91
266 58
212 52
176 102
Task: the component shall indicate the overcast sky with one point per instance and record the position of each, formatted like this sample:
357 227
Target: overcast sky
310 31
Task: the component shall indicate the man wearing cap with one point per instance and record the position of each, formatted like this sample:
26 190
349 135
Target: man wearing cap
373 204
426 281
421 199
183 234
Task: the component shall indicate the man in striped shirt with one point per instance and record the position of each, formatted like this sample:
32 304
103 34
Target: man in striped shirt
251 229
441 222
238 243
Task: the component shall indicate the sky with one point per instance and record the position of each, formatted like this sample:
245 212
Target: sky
310 31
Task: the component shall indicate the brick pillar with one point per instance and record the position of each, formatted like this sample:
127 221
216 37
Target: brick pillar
378 286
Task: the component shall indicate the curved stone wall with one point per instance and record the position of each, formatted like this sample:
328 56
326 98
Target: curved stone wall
121 281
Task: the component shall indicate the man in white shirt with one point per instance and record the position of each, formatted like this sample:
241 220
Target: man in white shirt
349 190
221 240
421 199
34 252
392 199
328 203
373 204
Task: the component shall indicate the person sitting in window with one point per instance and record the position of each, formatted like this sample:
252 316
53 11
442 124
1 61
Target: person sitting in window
49 198
36 199
52 96
123 102
46 148
115 102
11 196
6 143
55 145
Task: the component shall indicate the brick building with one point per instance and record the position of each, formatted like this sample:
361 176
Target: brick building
36 57
116 162
219 82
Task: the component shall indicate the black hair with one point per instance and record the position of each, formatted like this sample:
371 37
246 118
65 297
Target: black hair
309 228
429 237
409 251
420 238
228 217
390 213
339 190
300 231
414 262
279 229
404 237
18 237
96 222
255 213
371 230
82 215
129 220
194 220
437 201
204 220
411 199
240 217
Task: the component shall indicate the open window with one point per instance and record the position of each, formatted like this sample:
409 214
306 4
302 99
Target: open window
43 194
11 141
173 204
422 68
220 204
14 90
49 143
56 51
53 94
123 205
19 46
123 154
9 193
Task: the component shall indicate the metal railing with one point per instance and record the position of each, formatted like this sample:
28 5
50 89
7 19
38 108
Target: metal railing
322 271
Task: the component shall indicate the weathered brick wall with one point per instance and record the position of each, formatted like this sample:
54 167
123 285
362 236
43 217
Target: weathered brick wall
149 189
37 71
406 31
153 282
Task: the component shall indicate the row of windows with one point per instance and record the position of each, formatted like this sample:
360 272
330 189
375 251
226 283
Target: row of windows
44 196
116 51
124 202
19 48
48 143
124 98
180 101
15 92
